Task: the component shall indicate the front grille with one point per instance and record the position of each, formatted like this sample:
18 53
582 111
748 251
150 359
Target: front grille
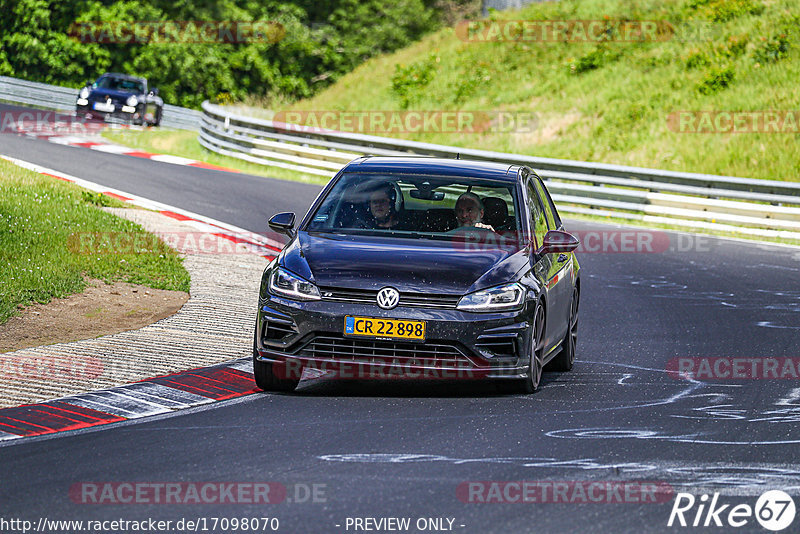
366 296
114 100
369 351
423 300
349 295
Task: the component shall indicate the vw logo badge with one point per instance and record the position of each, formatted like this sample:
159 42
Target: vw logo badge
388 297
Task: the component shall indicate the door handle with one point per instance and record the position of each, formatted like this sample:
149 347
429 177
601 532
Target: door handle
562 258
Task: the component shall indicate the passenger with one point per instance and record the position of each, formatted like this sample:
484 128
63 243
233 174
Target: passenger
469 212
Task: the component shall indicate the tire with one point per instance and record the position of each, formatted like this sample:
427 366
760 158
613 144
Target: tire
566 358
531 383
265 377
156 118
535 368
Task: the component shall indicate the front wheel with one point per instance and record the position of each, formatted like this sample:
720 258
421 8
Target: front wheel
157 117
566 358
266 377
531 382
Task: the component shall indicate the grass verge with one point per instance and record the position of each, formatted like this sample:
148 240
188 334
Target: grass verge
38 257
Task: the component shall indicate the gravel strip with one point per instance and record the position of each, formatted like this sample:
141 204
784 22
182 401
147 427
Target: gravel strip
214 326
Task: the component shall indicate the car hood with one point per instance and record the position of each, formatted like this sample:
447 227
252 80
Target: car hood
367 262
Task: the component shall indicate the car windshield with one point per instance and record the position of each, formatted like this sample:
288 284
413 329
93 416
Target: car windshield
419 207
120 84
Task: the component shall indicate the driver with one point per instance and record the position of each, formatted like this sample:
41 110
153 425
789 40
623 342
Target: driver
382 200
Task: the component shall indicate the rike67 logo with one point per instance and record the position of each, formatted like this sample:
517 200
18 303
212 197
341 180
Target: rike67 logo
774 510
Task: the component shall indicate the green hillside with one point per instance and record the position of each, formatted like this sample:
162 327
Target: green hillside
609 100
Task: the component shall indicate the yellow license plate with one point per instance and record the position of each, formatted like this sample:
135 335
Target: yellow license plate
384 328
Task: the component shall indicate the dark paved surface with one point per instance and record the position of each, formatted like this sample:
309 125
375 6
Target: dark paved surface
389 449
237 199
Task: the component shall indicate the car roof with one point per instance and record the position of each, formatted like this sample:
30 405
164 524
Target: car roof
123 76
434 167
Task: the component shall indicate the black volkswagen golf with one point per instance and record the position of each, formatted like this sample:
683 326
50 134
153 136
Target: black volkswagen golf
421 268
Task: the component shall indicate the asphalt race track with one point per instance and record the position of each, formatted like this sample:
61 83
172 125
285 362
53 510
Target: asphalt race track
408 449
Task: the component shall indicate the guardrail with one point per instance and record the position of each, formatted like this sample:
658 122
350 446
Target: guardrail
760 208
62 99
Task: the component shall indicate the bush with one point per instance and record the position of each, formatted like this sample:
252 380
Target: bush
697 59
716 80
470 79
772 49
409 82
321 42
595 59
725 10
734 46
97 199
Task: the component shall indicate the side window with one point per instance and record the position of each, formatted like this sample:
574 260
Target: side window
538 221
548 209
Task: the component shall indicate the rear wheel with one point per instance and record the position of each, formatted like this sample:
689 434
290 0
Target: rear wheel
566 358
266 377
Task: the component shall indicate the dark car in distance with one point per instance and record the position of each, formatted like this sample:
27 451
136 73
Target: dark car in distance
121 97
421 267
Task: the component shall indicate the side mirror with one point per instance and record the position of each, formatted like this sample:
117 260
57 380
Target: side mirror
154 91
283 223
558 241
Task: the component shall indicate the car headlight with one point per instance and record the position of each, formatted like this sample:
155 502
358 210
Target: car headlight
84 93
285 284
132 101
500 298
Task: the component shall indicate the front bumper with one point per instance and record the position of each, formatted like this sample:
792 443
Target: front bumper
459 345
132 114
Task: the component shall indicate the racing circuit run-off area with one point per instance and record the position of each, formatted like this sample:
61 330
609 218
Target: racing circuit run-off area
447 266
